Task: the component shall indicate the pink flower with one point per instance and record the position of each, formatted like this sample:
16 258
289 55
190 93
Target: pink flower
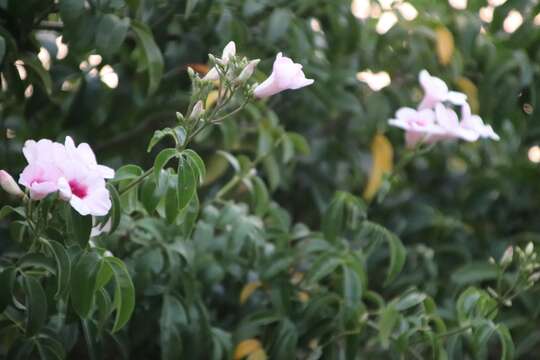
449 121
419 125
285 75
436 90
70 170
9 185
86 192
475 123
228 53
41 175
84 154
82 182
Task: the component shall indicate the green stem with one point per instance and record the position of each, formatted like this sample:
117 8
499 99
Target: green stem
228 187
137 181
235 180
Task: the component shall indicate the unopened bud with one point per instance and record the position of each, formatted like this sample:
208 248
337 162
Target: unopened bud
507 257
9 185
228 52
534 277
197 111
191 72
529 249
248 71
179 116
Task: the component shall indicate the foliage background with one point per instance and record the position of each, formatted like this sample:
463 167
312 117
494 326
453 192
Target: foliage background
453 208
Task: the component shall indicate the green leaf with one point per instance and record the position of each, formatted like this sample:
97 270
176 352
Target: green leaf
152 54
110 33
323 266
507 344
83 283
197 164
190 6
36 305
36 260
104 307
71 9
79 227
124 292
171 200
261 198
49 348
352 287
128 172
278 24
387 321
149 196
2 49
162 159
333 219
7 210
187 183
116 210
7 278
474 273
32 62
410 301
63 266
398 253
173 317
178 134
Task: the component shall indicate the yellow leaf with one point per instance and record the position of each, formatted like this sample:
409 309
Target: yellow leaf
382 154
445 45
211 99
248 290
246 348
257 355
215 167
468 87
303 296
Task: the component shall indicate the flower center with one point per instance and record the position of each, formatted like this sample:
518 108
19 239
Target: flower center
78 189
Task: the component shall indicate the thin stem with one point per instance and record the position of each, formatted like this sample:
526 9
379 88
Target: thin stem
238 178
137 181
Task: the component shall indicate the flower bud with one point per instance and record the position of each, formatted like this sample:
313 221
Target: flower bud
529 248
228 52
179 116
9 185
534 277
507 257
248 71
197 111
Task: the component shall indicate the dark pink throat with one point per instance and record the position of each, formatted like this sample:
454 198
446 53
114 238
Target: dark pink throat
78 189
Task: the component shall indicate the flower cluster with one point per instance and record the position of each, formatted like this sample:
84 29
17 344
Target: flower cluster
435 119
69 170
286 74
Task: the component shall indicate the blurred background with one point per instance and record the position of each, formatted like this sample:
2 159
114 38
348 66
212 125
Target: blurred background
111 72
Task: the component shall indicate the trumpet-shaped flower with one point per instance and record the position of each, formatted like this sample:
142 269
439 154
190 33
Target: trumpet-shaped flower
84 154
85 190
419 125
41 175
449 121
228 53
475 123
70 170
286 75
436 90
9 185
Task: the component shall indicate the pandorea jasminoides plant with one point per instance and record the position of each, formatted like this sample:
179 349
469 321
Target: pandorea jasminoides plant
436 120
